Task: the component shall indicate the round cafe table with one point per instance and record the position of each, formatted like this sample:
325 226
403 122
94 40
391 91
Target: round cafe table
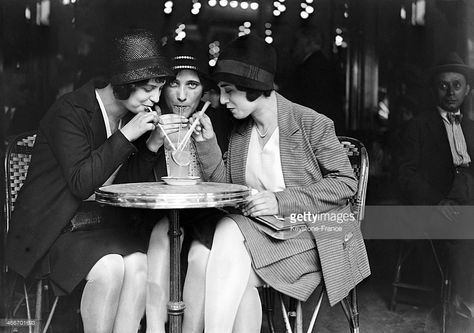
162 196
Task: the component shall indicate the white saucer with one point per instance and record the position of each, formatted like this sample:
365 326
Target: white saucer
191 180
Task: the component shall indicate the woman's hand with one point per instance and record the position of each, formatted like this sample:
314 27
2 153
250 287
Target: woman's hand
262 203
139 125
203 130
167 124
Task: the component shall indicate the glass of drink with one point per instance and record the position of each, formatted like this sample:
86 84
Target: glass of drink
177 161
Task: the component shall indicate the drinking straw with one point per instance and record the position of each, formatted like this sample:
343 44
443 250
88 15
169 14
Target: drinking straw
193 126
163 130
166 136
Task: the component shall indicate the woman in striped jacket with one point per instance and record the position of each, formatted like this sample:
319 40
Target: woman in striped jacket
292 157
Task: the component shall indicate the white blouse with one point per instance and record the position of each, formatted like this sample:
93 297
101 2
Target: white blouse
263 170
110 180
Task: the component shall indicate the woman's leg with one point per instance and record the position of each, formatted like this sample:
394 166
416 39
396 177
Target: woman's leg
158 278
227 277
249 315
194 288
101 294
132 299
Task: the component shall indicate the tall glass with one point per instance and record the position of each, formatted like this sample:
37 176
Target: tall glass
177 161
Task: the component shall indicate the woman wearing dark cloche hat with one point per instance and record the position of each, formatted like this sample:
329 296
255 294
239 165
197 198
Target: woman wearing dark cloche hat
291 157
83 142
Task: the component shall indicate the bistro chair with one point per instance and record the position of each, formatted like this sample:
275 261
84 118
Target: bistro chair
17 160
293 317
440 253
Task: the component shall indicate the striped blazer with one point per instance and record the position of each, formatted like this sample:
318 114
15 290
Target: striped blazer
318 179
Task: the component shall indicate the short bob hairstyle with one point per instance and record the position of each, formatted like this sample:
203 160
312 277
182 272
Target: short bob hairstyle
123 91
253 94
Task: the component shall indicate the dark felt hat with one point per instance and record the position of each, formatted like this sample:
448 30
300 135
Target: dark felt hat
248 61
187 55
453 63
135 56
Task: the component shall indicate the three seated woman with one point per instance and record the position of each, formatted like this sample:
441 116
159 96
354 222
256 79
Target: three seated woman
105 132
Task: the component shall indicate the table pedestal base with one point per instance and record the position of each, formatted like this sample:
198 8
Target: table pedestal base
176 305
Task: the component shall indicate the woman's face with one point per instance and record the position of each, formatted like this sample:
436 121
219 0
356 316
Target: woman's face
145 96
182 95
235 100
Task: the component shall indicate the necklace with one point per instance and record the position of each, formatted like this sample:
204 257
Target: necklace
260 133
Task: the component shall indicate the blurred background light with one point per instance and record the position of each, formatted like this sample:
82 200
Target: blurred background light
244 5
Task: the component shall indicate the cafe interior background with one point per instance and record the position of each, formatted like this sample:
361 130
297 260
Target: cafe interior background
381 48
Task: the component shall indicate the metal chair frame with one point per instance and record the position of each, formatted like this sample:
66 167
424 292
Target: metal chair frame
406 249
293 317
17 159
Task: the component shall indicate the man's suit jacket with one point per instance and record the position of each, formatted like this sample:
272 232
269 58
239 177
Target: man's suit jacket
426 169
318 178
71 158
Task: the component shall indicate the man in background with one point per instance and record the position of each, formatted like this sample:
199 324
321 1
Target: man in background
436 169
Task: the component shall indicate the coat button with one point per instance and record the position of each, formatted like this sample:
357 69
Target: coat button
348 236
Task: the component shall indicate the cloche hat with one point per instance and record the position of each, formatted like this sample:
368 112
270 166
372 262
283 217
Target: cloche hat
135 56
248 61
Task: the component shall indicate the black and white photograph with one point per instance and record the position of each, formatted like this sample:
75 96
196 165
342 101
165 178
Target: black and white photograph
237 166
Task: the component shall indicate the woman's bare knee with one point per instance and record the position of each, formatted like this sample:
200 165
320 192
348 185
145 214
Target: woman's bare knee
227 229
135 263
160 231
108 269
198 253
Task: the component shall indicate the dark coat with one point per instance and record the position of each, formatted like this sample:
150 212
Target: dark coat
426 168
72 157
